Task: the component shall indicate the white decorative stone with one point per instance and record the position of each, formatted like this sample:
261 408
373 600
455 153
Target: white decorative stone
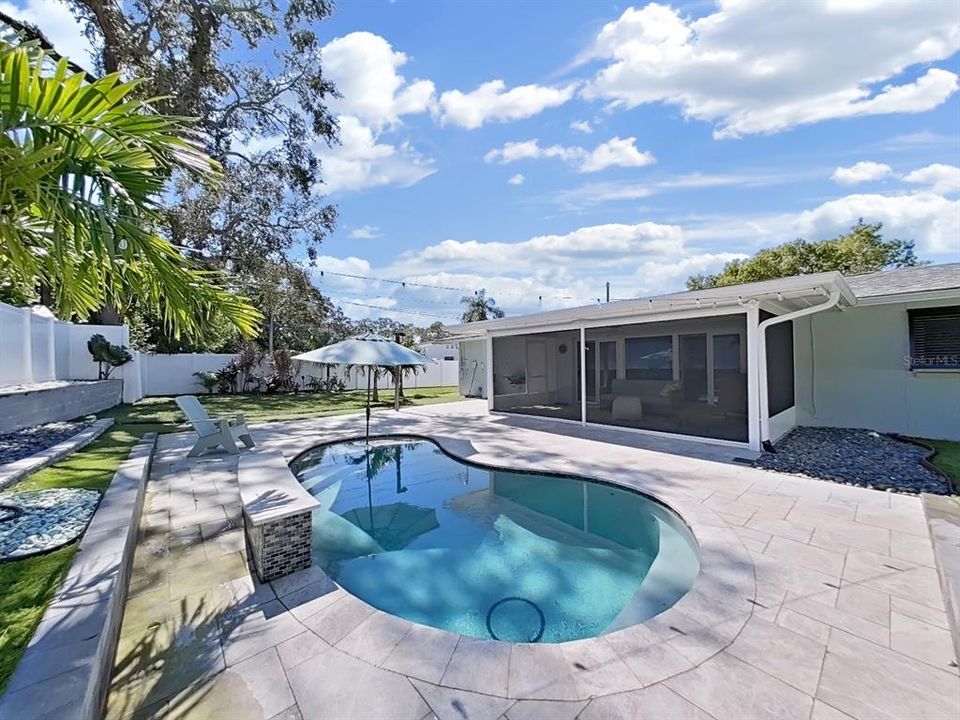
43 520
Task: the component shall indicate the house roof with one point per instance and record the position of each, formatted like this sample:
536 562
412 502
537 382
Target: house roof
785 294
908 280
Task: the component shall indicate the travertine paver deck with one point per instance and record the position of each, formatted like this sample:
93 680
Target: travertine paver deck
839 613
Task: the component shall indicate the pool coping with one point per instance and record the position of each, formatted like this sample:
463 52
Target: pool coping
698 626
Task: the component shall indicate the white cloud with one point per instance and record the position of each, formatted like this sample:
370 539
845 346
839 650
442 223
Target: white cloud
531 150
568 269
939 177
365 232
928 218
616 152
551 271
861 172
59 25
517 179
932 220
491 101
599 245
336 284
361 161
756 67
364 68
581 126
596 193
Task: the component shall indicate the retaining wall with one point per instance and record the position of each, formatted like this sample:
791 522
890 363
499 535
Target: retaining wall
60 401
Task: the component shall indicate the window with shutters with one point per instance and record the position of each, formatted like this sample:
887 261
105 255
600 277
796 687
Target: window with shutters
935 338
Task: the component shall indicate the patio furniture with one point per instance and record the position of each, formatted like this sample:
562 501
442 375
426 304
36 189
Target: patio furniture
627 408
214 432
657 396
277 514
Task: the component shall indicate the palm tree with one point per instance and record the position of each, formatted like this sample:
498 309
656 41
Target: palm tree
83 165
479 307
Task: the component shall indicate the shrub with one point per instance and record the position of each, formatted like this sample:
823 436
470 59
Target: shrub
227 377
283 372
247 361
209 380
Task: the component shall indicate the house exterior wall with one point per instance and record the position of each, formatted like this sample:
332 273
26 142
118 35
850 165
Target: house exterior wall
441 350
852 370
473 368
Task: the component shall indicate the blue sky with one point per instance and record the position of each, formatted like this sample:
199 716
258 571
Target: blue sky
539 150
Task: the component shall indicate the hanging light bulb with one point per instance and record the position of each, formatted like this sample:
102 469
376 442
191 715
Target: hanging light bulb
122 244
229 264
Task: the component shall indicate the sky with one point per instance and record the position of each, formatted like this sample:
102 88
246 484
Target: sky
540 150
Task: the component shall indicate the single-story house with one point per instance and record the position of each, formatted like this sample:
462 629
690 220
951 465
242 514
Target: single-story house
738 365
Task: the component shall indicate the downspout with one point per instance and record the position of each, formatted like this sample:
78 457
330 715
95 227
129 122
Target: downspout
831 302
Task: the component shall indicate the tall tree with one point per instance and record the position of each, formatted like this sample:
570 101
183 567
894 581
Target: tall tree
250 72
479 307
295 312
82 167
861 250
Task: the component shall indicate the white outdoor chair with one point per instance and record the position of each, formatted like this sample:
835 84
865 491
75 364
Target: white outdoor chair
214 432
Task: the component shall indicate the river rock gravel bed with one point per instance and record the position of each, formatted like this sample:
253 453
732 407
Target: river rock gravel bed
43 520
24 443
854 457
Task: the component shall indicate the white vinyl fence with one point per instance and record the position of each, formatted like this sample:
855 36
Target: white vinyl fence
35 347
173 374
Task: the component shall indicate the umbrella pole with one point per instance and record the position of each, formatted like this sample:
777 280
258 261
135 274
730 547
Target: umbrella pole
396 390
368 404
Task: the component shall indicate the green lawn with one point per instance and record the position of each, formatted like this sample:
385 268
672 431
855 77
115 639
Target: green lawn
26 586
947 459
263 408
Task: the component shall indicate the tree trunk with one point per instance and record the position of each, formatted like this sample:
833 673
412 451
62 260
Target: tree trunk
107 315
376 390
46 295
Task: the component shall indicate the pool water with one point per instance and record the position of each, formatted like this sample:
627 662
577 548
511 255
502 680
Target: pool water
492 554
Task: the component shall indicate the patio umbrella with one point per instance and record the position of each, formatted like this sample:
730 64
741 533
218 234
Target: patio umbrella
371 351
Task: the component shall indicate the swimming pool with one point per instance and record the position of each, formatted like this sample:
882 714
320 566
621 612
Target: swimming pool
495 554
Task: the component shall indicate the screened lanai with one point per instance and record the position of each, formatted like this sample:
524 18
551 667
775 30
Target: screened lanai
715 364
685 376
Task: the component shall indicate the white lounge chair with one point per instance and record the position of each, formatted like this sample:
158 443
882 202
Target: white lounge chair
214 432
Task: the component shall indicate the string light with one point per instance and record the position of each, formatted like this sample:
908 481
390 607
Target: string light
394 309
448 288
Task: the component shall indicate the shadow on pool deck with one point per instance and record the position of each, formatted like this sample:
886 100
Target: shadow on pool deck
202 639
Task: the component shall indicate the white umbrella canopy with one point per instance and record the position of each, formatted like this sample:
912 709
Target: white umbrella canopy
367 349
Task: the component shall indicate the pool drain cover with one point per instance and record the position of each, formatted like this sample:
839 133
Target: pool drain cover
514 615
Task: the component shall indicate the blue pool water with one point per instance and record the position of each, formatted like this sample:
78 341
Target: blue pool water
512 556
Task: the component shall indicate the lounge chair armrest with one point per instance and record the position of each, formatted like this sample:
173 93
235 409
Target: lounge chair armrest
231 420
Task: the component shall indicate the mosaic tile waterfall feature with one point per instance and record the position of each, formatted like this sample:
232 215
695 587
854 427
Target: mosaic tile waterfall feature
42 520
